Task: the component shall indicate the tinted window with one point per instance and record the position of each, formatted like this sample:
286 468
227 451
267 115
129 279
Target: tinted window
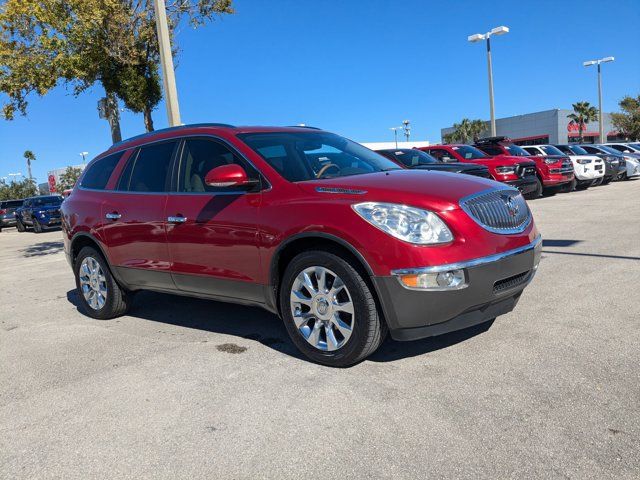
621 148
491 149
201 155
469 153
441 154
99 172
608 149
591 149
551 150
517 151
532 150
46 201
409 157
300 156
576 150
10 204
148 170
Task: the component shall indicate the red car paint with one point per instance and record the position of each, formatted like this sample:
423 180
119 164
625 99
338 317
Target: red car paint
227 246
553 174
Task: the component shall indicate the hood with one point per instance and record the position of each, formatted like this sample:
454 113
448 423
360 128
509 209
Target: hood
450 167
500 160
437 191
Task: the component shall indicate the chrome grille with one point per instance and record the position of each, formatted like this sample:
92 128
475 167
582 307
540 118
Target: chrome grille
498 211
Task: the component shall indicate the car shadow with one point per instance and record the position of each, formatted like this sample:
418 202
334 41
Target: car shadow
253 323
41 249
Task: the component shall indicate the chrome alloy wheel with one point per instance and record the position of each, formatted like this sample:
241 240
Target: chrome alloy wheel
93 283
322 309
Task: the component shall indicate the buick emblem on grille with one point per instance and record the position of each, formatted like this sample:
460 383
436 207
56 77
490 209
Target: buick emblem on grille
512 207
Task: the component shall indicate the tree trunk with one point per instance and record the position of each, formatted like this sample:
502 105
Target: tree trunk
113 117
148 121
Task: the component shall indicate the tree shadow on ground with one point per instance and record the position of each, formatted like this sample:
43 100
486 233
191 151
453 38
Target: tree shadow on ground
42 248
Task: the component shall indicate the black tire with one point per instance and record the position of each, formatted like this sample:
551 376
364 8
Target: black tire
550 191
37 228
568 187
537 193
118 300
584 185
20 226
624 176
607 181
369 328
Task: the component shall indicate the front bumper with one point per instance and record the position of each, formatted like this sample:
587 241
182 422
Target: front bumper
525 185
493 287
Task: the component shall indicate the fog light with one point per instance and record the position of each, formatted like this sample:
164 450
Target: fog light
450 280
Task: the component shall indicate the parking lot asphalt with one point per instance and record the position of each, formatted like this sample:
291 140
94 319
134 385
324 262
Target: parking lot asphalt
185 388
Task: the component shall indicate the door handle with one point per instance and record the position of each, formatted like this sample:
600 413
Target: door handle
177 219
112 216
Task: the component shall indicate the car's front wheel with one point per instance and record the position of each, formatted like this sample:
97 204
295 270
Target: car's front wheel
20 226
37 227
329 310
100 295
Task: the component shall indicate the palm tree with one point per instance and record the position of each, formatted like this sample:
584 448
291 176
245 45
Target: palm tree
466 131
30 157
583 113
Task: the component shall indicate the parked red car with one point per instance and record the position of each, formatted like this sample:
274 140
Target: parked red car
339 241
513 171
555 173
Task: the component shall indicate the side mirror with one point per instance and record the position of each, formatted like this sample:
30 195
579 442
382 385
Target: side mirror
231 175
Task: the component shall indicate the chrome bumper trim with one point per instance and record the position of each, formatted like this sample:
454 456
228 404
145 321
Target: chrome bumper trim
469 263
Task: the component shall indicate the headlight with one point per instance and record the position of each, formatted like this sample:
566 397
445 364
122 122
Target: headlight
583 161
41 212
410 224
506 170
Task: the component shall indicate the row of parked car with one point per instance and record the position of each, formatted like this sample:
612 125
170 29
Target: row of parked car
534 169
344 244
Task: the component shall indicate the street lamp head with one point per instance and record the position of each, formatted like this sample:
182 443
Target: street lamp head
589 63
499 30
607 59
477 37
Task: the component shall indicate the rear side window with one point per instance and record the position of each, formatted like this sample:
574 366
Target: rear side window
148 170
98 174
491 149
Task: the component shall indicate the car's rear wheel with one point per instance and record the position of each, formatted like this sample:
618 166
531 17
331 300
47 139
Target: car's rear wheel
329 310
100 295
569 187
537 192
37 228
20 226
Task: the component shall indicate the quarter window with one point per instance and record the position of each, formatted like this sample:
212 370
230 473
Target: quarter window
149 170
99 172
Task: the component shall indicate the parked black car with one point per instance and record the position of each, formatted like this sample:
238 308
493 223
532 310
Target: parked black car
7 209
39 212
618 163
417 159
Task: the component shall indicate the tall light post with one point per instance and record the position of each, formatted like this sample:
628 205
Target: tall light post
478 37
598 62
395 133
407 129
166 59
84 156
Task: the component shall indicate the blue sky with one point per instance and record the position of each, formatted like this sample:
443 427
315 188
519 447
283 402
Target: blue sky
358 67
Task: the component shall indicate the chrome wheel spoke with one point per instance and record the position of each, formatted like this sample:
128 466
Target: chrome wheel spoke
93 283
322 309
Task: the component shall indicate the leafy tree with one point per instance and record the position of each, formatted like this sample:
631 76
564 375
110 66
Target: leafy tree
68 179
44 43
583 113
17 189
627 122
29 157
466 131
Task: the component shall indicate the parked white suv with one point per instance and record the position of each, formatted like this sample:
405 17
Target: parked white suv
589 169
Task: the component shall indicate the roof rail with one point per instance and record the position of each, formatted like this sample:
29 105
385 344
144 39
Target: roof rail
171 129
304 126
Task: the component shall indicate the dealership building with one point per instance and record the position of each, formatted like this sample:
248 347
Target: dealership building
550 126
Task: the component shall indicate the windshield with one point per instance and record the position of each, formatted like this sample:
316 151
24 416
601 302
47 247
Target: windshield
47 201
608 149
551 150
409 157
300 156
517 151
578 150
635 145
469 153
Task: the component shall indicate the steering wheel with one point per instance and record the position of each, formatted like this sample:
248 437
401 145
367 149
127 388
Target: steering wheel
325 168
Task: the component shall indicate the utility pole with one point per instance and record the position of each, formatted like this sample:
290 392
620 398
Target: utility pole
478 37
407 129
84 156
395 134
166 59
603 138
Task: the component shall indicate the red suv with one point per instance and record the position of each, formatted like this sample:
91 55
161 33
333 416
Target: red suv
339 241
555 173
513 171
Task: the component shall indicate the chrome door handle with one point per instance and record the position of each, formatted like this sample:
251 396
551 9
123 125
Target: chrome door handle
177 219
113 216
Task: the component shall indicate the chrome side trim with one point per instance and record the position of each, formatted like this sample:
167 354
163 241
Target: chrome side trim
469 263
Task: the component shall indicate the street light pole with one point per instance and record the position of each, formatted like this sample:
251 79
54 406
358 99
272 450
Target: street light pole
603 139
487 36
395 134
166 59
84 156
